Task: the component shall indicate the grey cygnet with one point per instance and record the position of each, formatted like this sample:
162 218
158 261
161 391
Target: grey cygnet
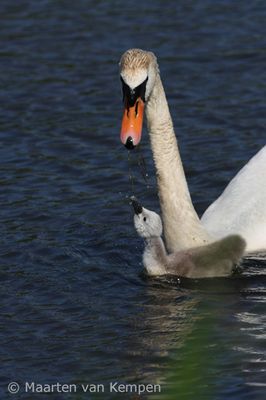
216 259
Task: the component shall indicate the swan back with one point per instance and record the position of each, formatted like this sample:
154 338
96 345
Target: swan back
241 208
213 260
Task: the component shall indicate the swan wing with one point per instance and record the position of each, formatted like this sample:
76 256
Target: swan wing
241 208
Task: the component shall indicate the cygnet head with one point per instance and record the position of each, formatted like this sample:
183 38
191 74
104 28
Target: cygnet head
147 223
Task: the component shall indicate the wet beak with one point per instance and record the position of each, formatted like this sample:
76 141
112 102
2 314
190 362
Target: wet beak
132 123
136 205
134 101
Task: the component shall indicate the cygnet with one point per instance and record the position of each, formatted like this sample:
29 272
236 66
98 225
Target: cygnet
213 260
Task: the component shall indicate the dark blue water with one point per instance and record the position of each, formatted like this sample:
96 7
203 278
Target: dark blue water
74 306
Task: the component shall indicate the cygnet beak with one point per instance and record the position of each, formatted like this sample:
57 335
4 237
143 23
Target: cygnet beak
136 205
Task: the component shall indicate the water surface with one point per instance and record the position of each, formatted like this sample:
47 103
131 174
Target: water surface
74 305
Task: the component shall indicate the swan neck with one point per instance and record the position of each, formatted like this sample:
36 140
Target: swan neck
182 227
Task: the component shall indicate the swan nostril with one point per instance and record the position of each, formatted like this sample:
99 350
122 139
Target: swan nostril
129 143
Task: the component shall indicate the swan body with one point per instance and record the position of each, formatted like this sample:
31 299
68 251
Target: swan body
212 260
241 209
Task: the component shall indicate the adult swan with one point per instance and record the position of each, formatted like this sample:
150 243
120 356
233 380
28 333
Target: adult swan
240 209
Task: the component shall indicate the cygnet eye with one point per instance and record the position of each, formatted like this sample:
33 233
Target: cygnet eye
144 219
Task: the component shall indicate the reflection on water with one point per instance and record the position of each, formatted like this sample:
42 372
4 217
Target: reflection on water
74 307
218 351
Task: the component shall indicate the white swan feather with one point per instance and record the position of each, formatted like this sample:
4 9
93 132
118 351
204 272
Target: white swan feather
241 208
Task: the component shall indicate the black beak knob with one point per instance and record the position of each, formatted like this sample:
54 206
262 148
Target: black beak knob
136 205
129 143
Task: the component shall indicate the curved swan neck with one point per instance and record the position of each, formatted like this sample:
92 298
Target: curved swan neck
182 226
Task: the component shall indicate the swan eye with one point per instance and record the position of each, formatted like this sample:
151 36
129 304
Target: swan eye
144 219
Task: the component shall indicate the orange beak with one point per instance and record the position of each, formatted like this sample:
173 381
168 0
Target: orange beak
132 124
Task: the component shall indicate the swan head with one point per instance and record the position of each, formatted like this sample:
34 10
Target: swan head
138 71
147 223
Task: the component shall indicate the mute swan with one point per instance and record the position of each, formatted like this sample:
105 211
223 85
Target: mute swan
212 260
241 209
